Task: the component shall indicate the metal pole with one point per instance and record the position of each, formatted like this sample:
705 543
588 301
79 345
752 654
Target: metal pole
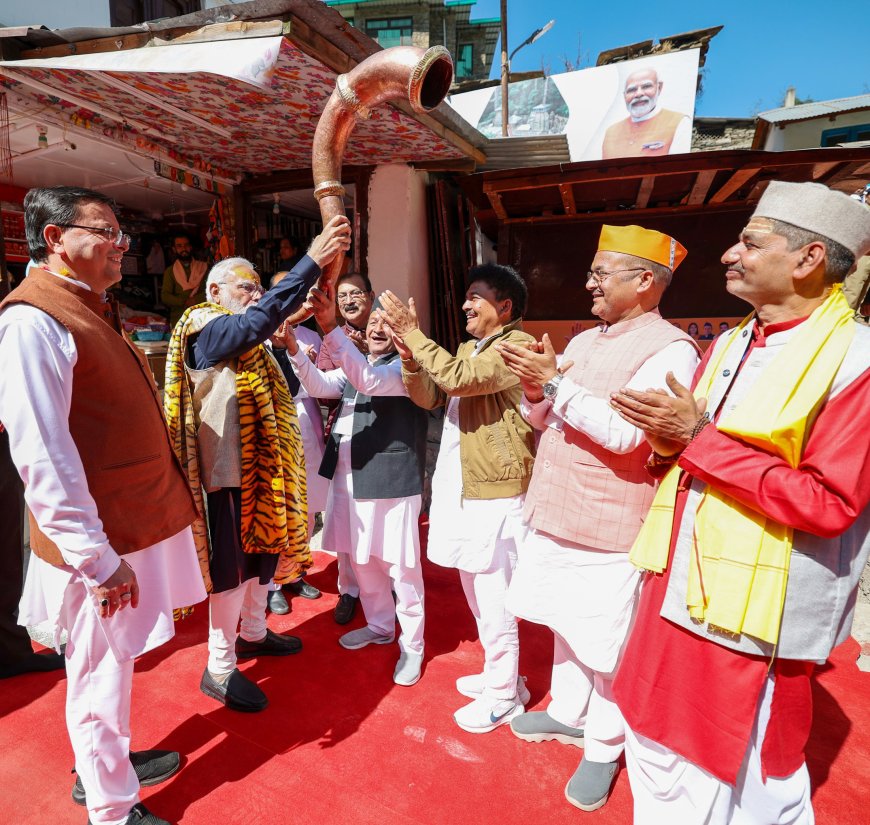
505 70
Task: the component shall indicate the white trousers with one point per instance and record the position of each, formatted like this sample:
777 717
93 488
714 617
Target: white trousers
347 582
486 594
246 602
583 698
98 713
668 788
376 578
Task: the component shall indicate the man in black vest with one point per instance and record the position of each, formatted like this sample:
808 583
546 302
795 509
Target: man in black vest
375 457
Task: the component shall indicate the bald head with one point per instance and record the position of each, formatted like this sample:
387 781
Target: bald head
641 92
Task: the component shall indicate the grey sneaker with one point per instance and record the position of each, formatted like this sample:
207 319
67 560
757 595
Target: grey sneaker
590 786
408 669
361 637
539 726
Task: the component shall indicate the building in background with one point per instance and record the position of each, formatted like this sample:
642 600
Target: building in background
428 23
818 124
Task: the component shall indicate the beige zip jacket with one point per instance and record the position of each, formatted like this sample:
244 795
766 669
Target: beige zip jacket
496 444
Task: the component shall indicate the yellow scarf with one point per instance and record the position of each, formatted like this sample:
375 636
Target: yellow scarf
274 517
739 564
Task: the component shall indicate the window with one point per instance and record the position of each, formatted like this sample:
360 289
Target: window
845 134
465 60
132 12
395 31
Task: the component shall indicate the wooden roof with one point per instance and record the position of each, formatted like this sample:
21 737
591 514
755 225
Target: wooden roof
660 186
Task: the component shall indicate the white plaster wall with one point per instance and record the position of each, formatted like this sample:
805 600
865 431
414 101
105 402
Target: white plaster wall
807 134
55 14
398 253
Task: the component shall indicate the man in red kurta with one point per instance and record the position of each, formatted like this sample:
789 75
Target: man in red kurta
719 712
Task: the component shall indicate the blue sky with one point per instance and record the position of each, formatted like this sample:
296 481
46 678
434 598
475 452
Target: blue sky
820 48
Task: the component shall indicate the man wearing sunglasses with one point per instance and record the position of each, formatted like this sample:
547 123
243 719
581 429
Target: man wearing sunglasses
589 494
110 506
234 428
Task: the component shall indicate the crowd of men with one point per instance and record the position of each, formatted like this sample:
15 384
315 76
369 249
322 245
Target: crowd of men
692 530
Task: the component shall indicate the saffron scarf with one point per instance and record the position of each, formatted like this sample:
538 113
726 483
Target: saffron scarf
739 563
274 517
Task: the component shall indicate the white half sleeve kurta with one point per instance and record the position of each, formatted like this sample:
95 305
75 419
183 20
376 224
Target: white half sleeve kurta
37 358
387 528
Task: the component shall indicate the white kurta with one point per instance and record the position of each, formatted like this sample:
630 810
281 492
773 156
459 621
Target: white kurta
370 528
311 425
37 357
463 532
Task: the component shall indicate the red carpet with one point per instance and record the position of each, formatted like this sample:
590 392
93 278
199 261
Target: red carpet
340 743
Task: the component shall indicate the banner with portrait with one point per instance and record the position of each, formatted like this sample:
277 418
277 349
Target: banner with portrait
636 108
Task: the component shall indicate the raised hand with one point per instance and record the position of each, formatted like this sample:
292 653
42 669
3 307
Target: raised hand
333 240
400 318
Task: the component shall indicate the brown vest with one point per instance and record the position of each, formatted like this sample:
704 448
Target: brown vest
645 138
116 422
580 491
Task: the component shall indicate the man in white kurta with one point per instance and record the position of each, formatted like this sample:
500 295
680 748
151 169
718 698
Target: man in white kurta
589 494
475 518
382 532
113 608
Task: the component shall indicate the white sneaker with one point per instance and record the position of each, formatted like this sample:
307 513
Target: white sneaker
485 714
472 687
361 637
408 669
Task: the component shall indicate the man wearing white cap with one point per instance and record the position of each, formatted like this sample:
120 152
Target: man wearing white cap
589 494
759 528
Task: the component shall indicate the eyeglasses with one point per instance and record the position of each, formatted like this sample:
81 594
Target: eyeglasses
601 275
119 238
353 295
246 286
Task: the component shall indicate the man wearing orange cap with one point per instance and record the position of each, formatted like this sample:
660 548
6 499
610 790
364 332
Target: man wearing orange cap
589 494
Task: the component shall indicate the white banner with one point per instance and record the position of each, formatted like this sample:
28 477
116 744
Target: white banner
638 108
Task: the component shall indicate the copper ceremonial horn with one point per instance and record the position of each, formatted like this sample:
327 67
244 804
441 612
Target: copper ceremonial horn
401 73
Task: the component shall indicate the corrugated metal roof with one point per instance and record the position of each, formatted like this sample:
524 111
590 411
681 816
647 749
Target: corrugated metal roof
822 108
516 152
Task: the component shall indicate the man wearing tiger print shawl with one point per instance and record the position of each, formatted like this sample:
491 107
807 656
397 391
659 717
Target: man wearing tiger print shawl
233 425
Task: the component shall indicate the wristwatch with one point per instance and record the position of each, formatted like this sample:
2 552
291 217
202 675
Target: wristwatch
552 386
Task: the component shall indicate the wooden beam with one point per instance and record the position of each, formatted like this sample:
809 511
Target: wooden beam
733 183
497 205
464 165
623 215
820 170
644 191
567 194
702 184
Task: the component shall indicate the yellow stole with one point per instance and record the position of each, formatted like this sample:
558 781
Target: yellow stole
274 517
739 564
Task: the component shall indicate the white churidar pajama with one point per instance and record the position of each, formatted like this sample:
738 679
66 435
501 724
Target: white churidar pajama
668 788
382 534
248 600
478 537
37 358
584 594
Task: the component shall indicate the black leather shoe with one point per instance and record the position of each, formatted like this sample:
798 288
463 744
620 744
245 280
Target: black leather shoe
278 603
140 815
152 767
237 693
34 663
302 588
275 644
345 608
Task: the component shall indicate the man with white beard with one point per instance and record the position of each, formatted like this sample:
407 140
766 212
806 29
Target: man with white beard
234 428
649 129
